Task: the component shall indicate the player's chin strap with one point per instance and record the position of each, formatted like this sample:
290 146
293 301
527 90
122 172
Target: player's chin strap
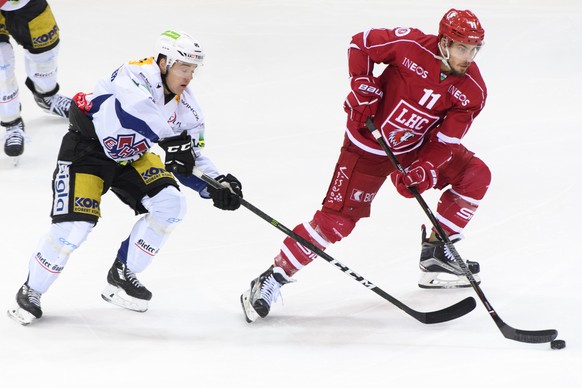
445 56
171 96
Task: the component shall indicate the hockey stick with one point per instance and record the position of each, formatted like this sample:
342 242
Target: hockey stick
529 336
449 313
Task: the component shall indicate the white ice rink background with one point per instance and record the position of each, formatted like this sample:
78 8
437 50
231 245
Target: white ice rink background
271 89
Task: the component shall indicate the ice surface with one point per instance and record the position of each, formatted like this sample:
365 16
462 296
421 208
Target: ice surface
272 89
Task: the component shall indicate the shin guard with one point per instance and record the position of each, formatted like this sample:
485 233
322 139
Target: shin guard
165 211
53 252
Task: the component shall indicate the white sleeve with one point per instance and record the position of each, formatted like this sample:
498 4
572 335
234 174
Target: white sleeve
206 165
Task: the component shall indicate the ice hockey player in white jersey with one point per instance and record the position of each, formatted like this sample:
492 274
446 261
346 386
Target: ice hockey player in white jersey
32 25
107 147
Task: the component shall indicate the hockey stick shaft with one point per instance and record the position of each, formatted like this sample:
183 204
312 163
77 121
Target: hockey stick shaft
538 336
449 313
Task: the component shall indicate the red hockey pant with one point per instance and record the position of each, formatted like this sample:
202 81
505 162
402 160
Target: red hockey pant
358 176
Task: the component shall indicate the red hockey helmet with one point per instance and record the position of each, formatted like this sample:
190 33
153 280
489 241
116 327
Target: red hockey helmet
462 27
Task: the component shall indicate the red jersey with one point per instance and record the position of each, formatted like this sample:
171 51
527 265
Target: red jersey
418 102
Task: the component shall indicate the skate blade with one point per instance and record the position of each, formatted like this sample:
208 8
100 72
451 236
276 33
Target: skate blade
250 313
118 297
15 160
21 316
442 280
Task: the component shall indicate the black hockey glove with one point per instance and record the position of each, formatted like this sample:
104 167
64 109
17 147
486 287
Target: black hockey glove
227 197
179 154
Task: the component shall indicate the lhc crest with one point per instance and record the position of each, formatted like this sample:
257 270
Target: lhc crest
124 146
400 136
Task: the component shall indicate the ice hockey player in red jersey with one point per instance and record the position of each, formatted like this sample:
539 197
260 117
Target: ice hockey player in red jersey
424 102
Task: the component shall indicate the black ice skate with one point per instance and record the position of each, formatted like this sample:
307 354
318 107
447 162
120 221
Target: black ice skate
50 102
256 302
27 306
124 290
14 139
439 267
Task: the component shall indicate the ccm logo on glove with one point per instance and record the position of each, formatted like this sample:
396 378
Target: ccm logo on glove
179 154
179 148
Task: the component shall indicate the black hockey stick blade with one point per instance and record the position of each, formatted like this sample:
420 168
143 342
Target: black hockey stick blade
447 314
527 336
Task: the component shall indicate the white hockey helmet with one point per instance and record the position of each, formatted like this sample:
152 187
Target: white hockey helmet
179 46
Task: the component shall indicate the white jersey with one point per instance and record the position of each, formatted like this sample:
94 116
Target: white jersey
130 114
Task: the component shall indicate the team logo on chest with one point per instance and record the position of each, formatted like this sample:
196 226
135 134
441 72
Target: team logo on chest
406 125
124 146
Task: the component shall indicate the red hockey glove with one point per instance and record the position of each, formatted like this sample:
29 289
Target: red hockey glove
362 102
421 174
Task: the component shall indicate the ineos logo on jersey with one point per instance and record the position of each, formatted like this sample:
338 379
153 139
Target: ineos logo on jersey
415 68
455 92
